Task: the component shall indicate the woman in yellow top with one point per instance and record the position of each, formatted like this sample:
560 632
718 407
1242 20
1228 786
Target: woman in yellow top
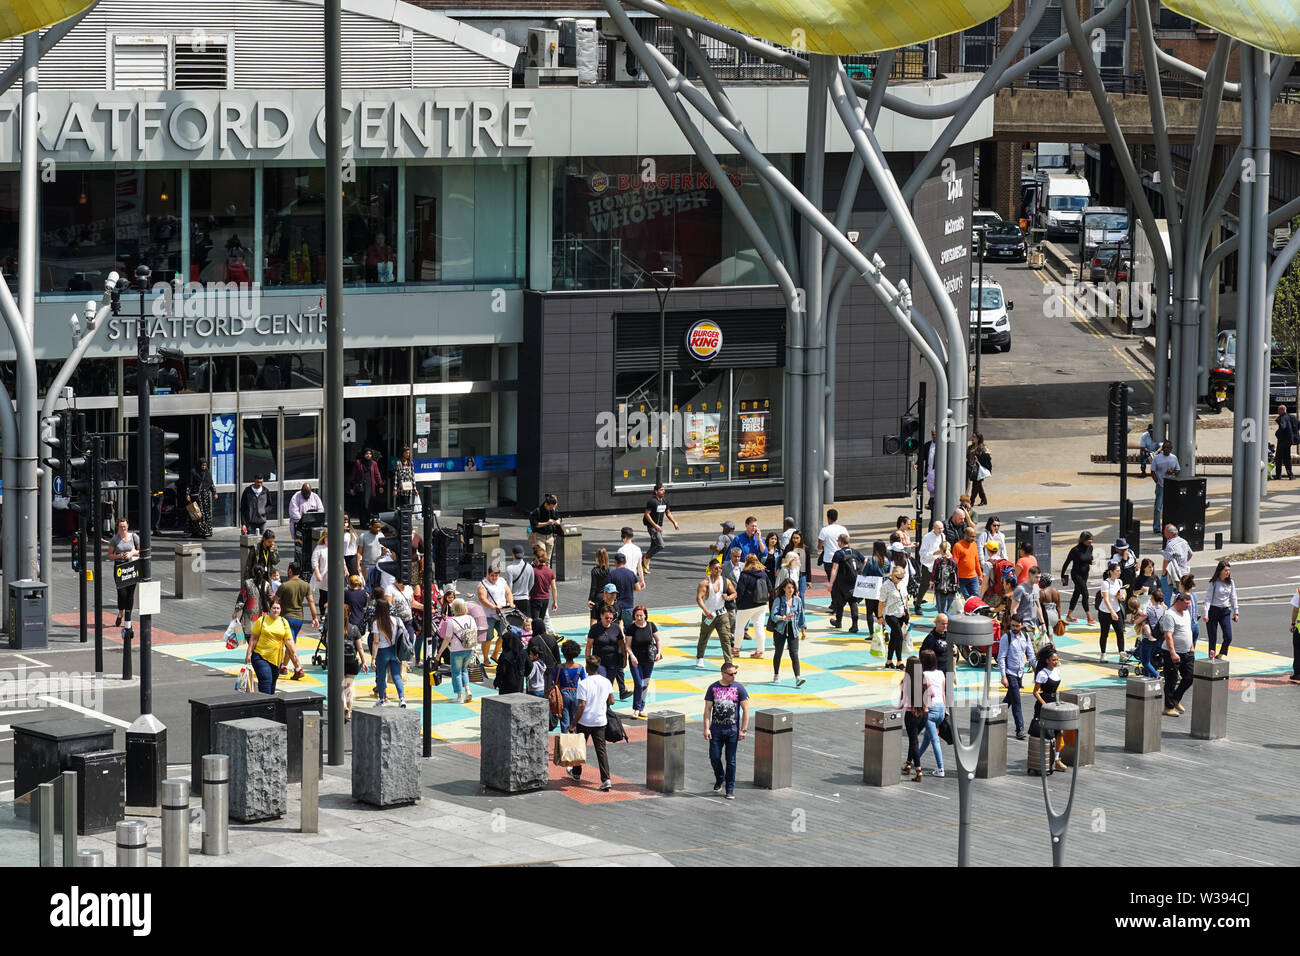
268 646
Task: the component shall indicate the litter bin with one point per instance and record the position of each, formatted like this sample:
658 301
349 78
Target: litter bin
882 747
487 538
1038 532
189 570
567 560
27 615
44 748
207 712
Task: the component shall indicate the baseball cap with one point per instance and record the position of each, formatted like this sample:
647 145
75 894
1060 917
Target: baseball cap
517 551
897 546
611 588
990 545
728 526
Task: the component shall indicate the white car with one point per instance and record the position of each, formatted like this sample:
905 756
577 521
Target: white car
980 219
989 308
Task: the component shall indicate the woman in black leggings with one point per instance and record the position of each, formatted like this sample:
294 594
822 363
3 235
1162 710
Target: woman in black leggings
1077 567
1110 607
911 697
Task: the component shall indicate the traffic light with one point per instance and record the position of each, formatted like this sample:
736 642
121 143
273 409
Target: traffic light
1117 415
160 459
400 521
909 433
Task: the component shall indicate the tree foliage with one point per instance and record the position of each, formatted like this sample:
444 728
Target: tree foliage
1286 316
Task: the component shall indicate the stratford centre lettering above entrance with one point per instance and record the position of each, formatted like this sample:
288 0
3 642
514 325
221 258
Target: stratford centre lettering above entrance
313 326
134 126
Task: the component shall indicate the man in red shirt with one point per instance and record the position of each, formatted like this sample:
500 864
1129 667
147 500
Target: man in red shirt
544 590
1027 561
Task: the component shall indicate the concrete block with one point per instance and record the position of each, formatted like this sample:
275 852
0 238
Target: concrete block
513 729
259 767
386 756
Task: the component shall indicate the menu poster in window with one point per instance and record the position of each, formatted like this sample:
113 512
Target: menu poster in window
703 437
753 419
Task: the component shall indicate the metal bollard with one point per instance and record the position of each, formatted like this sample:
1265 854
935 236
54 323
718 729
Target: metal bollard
132 843
773 749
1210 698
45 822
665 755
1081 744
1144 700
882 747
176 823
311 772
68 781
90 858
216 804
993 746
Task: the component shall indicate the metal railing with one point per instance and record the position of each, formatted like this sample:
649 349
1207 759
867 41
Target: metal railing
580 263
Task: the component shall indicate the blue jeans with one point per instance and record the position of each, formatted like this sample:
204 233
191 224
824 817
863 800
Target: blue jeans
641 672
1145 650
728 739
570 696
1159 510
459 671
943 602
933 718
970 587
1013 700
267 674
387 662
295 625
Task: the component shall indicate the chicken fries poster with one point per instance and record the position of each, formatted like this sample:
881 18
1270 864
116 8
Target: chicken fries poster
753 420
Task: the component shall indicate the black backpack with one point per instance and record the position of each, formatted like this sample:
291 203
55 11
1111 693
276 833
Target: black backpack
850 568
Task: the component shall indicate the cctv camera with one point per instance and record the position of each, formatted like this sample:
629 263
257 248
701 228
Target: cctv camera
75 323
110 283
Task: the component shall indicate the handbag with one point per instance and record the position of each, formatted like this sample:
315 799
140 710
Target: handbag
193 510
569 750
556 699
614 732
1059 629
945 729
868 586
1034 729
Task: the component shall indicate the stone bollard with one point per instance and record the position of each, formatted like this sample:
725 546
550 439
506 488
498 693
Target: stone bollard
1081 744
259 768
1210 698
1144 701
665 755
993 748
773 749
386 755
882 747
513 730
189 570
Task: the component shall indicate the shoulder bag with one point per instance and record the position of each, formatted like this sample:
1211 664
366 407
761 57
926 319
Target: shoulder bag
614 732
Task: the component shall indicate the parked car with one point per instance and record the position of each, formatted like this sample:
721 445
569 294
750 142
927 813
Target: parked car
1109 264
1004 240
980 220
1223 377
988 313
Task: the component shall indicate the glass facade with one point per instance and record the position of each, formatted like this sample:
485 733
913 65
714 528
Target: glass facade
616 219
465 223
725 427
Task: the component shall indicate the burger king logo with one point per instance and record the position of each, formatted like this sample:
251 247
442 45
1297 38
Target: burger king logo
599 182
704 340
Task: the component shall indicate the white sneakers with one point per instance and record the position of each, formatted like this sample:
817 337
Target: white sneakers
699 662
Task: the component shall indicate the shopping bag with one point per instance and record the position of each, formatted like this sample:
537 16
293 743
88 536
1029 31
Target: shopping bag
908 647
233 635
868 586
878 643
246 682
569 750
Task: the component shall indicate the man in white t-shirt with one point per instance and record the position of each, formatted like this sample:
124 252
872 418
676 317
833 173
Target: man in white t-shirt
828 539
1178 559
595 697
928 553
1179 652
633 554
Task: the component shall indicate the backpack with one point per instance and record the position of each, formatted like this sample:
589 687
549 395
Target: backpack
350 645
945 580
851 567
762 593
913 577
1003 577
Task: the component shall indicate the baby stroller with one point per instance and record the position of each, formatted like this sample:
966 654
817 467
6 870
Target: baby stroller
975 655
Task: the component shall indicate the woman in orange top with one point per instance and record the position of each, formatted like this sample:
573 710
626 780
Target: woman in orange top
970 576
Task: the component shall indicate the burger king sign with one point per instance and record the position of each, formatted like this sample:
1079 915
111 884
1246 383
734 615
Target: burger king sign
704 340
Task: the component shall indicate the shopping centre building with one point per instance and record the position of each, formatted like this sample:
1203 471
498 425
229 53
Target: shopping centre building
498 244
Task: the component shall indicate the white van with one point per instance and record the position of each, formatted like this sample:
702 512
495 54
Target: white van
988 313
1060 201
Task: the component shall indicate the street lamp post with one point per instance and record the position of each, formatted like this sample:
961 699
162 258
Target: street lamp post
146 738
1057 716
979 332
664 280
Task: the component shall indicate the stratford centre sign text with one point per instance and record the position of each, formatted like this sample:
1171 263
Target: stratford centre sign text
133 126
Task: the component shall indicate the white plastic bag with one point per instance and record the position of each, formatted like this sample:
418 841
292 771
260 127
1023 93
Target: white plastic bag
878 643
908 648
